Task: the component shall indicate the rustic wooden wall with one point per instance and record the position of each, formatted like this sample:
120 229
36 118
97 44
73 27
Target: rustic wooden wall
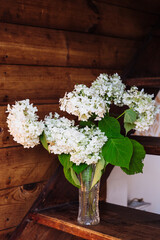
46 46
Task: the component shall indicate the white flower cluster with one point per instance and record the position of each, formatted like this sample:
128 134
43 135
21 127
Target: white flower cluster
90 147
61 134
84 145
143 105
110 88
83 102
23 123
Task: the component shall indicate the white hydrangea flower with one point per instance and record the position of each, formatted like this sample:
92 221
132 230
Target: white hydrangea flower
89 148
61 134
143 105
110 88
83 102
23 123
84 145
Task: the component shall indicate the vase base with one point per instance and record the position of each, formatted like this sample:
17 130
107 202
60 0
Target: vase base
88 222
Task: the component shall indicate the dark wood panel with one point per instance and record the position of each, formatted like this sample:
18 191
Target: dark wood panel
149 82
15 202
124 22
141 5
116 222
42 84
79 15
62 192
37 46
20 166
147 65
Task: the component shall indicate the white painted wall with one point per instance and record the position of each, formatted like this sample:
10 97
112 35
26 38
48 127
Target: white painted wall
121 187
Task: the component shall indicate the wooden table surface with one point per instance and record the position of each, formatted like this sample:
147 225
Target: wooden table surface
117 222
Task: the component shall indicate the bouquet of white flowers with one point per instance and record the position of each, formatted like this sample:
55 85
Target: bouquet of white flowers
84 150
98 139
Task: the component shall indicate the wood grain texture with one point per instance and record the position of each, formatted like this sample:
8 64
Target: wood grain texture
56 189
39 232
37 46
116 222
20 166
42 84
15 202
79 15
6 234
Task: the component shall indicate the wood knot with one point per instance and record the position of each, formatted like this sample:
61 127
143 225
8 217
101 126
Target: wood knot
8 181
29 187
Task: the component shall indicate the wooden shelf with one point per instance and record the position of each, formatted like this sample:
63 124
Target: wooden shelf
116 222
151 144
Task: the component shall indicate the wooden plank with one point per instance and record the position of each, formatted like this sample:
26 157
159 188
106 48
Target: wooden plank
6 234
15 202
30 165
68 227
37 46
147 63
123 22
80 15
141 5
42 84
40 232
153 82
151 144
116 222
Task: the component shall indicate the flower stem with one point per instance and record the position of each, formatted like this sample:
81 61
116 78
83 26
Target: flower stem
121 115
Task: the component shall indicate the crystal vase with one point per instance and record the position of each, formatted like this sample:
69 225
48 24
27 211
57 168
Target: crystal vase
88 213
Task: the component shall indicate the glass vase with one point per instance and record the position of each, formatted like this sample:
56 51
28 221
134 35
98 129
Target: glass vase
88 213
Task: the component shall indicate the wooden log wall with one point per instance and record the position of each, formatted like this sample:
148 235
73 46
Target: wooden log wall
47 46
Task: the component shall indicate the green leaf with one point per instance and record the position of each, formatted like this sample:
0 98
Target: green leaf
128 126
110 126
79 168
136 164
65 160
98 171
44 141
130 116
118 151
129 119
74 177
68 176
